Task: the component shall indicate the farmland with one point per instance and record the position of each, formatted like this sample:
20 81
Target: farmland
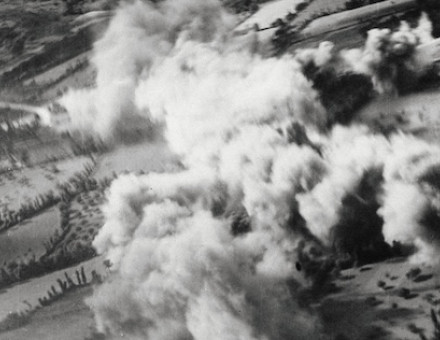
54 185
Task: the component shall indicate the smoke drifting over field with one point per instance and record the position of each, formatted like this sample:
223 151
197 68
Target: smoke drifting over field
210 252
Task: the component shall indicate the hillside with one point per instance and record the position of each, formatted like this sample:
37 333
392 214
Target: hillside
209 184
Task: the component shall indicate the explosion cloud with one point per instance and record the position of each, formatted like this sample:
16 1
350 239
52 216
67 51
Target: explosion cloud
257 148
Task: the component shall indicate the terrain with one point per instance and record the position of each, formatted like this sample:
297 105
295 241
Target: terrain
54 182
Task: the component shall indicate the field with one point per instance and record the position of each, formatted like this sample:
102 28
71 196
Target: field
17 298
53 185
23 186
27 239
417 113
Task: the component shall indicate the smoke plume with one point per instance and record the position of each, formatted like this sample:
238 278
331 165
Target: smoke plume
269 176
388 64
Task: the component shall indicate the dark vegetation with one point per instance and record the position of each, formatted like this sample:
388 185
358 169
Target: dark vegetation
39 37
64 248
86 145
53 54
68 285
357 238
73 7
76 7
20 144
78 183
283 36
240 6
342 94
352 4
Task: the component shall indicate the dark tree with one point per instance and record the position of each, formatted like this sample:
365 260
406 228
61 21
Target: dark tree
73 7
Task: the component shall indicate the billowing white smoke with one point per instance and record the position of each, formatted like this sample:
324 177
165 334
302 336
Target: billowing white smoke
139 35
182 275
385 55
179 272
410 194
349 153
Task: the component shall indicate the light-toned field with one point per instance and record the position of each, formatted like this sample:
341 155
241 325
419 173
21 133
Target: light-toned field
318 8
28 237
20 186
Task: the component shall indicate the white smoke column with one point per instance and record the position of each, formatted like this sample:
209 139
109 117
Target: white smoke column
178 271
406 199
385 51
181 274
138 36
222 90
349 153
